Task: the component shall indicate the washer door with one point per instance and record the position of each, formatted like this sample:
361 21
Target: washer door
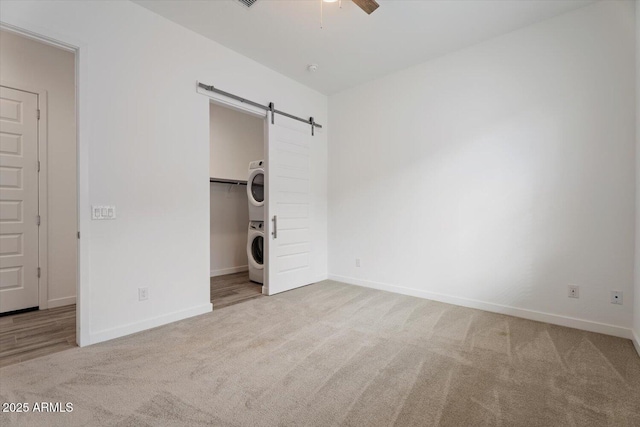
255 187
255 249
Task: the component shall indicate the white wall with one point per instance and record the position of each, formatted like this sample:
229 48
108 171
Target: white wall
236 139
497 175
27 64
229 228
144 147
636 309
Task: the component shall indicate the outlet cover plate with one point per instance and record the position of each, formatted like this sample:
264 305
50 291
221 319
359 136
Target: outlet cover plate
573 291
616 297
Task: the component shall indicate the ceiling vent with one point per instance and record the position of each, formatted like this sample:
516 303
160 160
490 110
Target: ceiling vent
247 3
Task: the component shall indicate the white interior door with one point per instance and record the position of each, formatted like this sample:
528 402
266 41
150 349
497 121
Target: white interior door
288 205
18 199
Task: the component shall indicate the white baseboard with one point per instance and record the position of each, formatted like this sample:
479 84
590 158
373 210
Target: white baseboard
230 270
59 302
539 316
321 277
132 328
636 341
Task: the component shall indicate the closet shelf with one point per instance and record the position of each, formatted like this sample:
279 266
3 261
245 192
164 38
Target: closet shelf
227 181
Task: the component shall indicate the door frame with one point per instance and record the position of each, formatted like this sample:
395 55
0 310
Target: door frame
43 190
35 32
223 101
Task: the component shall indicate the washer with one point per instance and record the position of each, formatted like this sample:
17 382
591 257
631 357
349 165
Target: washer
255 190
255 251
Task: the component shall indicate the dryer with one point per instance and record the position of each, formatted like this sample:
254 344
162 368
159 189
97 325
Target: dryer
256 190
255 251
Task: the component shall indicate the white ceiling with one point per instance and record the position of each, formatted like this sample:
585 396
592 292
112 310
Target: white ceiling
353 47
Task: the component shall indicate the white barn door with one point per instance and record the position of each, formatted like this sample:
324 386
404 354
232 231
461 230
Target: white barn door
288 205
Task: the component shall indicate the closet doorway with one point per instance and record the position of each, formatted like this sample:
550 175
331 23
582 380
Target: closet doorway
236 195
282 184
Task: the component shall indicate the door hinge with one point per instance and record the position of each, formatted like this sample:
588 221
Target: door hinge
38 220
38 114
39 272
38 165
78 234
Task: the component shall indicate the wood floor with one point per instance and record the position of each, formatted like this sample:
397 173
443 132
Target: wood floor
233 289
29 335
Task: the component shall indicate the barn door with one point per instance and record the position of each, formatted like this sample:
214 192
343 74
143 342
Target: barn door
288 208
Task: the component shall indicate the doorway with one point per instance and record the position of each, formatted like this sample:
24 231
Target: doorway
38 198
236 191
287 185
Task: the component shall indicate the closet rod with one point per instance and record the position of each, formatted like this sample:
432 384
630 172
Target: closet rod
269 107
227 181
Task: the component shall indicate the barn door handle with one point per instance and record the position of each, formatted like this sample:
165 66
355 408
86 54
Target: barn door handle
275 227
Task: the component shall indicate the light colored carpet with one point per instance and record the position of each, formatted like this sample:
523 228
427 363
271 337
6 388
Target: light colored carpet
334 354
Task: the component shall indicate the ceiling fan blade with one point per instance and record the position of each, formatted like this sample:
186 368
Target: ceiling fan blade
367 5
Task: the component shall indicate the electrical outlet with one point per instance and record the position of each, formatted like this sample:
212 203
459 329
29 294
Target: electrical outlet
143 294
616 297
574 291
357 262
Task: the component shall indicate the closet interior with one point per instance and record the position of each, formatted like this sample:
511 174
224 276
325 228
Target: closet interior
236 187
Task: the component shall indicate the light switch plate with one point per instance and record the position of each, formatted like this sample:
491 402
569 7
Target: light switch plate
103 212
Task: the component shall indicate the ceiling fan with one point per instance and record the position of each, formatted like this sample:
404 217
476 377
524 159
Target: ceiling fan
369 6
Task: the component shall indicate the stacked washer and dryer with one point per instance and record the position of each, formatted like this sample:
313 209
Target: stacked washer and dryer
255 240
